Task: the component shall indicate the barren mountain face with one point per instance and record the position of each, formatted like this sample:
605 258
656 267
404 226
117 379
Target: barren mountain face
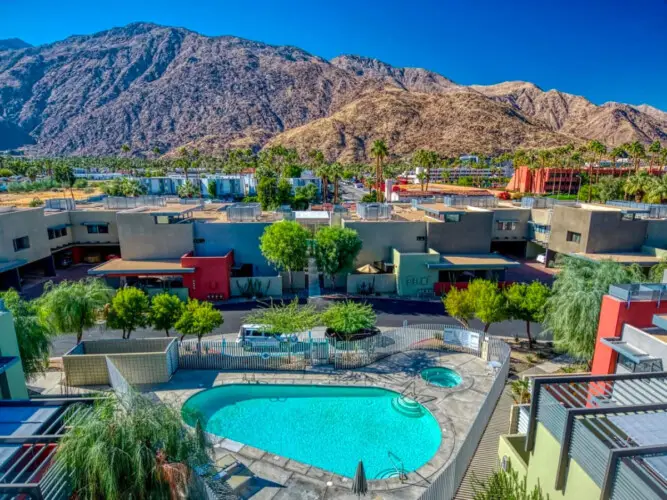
147 86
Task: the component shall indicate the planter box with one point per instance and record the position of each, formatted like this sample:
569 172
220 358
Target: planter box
140 361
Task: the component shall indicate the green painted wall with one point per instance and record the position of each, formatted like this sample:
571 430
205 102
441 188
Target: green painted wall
9 347
412 275
512 447
542 468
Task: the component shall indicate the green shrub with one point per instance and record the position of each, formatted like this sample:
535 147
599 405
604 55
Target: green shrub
506 485
348 318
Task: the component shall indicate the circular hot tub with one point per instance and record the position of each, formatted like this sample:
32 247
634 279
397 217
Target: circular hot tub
441 377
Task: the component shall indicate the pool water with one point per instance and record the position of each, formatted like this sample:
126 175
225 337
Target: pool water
328 427
442 377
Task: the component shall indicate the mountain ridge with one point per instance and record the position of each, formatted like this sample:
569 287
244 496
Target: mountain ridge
149 85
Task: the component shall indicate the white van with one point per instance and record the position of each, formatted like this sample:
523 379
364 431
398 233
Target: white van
257 335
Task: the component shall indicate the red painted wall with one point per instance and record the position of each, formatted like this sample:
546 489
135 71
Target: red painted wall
615 313
210 281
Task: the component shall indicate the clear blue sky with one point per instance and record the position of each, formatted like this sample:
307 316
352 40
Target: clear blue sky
613 50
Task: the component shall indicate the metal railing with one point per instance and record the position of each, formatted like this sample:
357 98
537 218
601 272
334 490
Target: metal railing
445 485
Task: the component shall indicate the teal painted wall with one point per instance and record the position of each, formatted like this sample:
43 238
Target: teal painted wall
412 275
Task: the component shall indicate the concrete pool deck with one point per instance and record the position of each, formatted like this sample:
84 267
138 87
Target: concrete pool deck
277 477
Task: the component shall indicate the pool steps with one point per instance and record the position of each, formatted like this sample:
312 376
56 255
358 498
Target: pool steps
407 406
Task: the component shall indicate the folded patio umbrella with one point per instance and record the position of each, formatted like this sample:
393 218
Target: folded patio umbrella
359 483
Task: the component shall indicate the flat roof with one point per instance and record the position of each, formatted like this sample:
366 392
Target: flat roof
660 320
473 261
121 266
642 259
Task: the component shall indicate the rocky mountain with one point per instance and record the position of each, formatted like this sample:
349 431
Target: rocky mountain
147 85
13 44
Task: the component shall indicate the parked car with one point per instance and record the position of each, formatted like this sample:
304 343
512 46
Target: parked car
257 335
541 258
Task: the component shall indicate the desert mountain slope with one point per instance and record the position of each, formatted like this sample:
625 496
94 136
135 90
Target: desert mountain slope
147 85
451 123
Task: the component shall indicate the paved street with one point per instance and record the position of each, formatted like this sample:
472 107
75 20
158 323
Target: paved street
390 313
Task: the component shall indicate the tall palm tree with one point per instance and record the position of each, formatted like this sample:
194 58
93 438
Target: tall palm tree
654 149
576 160
519 160
617 152
597 149
335 173
663 161
379 152
637 152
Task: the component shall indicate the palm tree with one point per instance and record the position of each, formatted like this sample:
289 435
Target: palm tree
654 149
425 159
663 160
125 148
657 190
637 152
379 152
638 185
597 149
617 152
519 160
576 160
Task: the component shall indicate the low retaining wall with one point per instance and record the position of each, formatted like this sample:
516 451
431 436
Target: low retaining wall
358 284
140 361
271 286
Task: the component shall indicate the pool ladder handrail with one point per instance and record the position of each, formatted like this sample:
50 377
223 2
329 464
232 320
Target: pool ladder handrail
402 476
412 384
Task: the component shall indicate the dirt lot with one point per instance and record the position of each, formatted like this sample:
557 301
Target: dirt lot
24 199
434 187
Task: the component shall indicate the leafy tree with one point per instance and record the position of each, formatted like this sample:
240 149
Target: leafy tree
459 305
506 485
304 196
349 318
609 188
128 310
284 244
166 310
188 190
335 249
267 192
573 309
73 306
123 187
285 318
379 152
211 187
488 302
32 337
293 171
198 318
527 302
284 192
64 174
131 449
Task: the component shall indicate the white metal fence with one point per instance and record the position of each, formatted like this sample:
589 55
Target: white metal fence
444 487
223 355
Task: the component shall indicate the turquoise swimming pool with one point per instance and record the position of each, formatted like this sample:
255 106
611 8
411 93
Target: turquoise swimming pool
329 427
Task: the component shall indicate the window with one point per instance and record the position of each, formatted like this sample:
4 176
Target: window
452 217
98 229
57 233
505 225
573 237
21 243
651 365
421 238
